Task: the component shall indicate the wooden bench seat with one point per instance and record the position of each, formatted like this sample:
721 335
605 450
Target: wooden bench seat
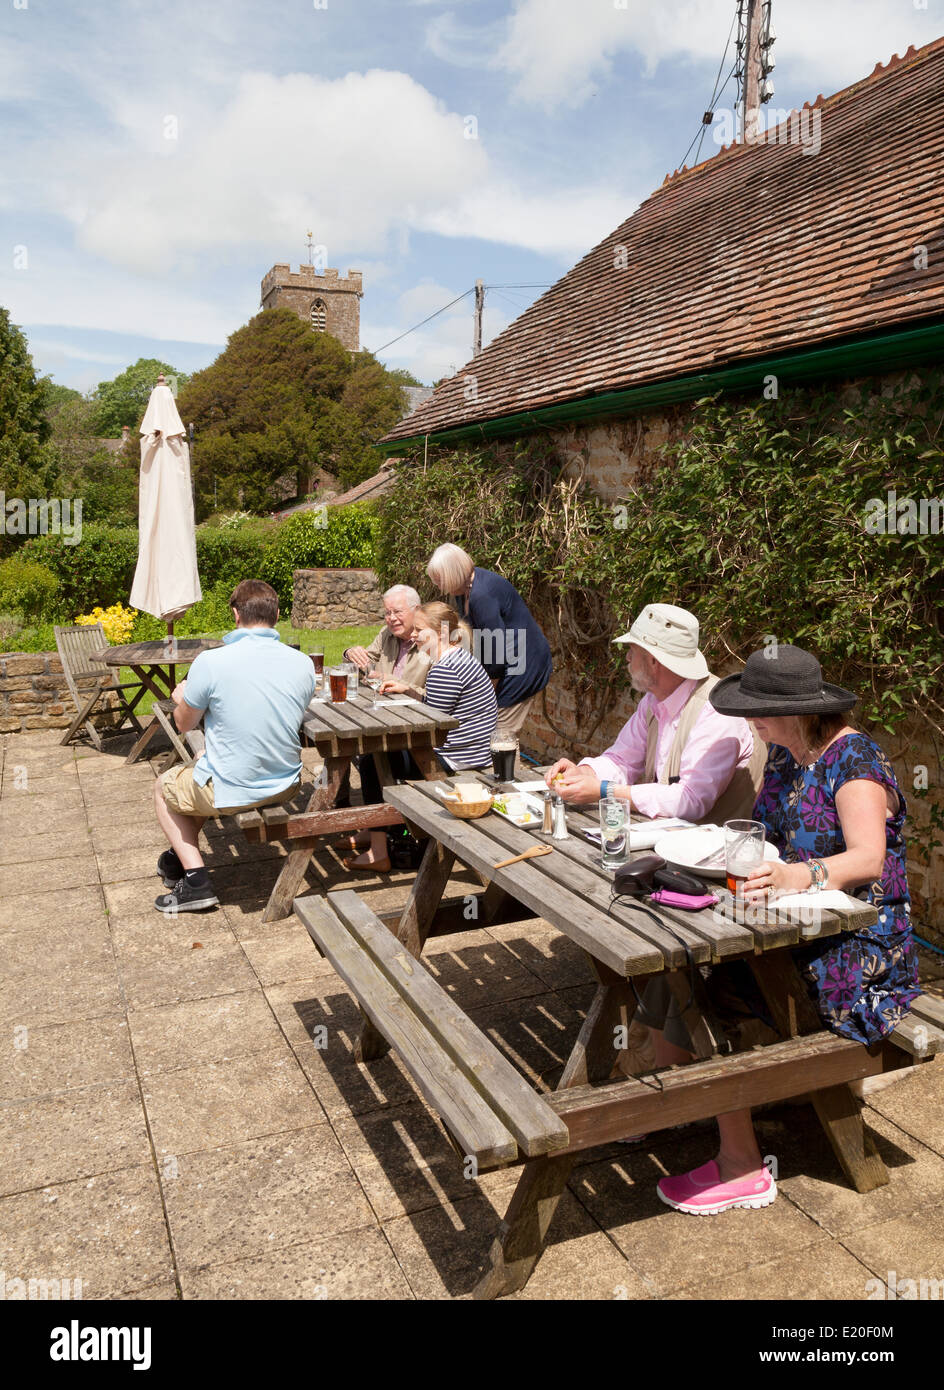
921 1033
492 1112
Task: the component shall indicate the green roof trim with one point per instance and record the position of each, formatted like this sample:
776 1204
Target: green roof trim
860 356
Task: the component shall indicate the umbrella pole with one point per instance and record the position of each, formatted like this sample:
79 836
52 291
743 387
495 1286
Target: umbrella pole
170 645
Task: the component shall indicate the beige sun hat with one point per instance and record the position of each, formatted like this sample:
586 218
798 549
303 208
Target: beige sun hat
669 634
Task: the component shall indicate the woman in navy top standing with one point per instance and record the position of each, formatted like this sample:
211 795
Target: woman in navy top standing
506 639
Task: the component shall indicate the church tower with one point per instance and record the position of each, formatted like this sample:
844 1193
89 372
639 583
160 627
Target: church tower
329 302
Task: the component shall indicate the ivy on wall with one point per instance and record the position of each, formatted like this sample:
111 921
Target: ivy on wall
785 519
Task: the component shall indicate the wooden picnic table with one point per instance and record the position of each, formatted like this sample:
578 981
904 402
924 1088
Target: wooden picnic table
625 943
154 663
366 723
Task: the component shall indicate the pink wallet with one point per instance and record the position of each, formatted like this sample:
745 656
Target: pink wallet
684 900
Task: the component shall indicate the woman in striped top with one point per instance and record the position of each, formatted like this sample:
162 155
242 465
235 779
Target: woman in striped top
456 683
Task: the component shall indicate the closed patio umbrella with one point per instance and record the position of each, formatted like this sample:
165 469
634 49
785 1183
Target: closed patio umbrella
166 582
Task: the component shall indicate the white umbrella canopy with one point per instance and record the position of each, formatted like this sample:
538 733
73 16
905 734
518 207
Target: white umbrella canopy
166 582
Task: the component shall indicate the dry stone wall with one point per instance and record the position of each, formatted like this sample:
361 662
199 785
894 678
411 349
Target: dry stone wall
323 599
34 694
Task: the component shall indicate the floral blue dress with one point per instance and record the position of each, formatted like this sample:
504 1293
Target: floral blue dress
863 982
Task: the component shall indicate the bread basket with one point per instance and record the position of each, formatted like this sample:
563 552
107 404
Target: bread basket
468 810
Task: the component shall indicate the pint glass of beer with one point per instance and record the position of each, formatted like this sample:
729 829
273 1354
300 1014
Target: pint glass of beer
504 749
743 851
317 659
338 678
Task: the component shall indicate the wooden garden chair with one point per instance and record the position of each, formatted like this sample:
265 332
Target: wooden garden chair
77 646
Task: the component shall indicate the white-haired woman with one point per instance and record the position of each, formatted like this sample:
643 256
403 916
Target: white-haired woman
394 654
506 639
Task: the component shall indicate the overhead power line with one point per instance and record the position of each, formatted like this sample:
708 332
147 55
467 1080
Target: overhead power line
457 300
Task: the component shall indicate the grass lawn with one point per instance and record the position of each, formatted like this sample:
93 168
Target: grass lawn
335 642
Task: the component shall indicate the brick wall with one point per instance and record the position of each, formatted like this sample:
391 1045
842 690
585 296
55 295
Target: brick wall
34 694
323 599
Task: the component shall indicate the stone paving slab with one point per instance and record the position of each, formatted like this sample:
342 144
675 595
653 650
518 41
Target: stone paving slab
257 1197
172 1036
51 1139
810 1176
66 1056
184 1113
53 875
219 1103
108 1231
213 969
37 849
68 911
355 1265
669 1249
826 1271
909 1246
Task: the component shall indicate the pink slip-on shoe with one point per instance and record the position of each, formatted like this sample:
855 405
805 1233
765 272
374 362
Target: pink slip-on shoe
702 1193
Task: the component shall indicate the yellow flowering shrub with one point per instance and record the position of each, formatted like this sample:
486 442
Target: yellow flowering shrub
116 621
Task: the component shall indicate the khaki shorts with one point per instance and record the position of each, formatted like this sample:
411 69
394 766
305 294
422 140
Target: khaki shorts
511 720
183 795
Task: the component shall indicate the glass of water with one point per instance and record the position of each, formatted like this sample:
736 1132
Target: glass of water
614 832
350 671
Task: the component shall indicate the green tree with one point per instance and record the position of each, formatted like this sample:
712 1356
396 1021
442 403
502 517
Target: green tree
123 401
281 402
28 462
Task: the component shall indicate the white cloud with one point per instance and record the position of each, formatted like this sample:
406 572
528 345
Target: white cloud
355 159
557 49
563 223
439 348
63 289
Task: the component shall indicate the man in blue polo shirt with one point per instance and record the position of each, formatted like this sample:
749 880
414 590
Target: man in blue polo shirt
251 694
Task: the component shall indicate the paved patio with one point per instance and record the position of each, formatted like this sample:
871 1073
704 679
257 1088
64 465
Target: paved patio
169 1129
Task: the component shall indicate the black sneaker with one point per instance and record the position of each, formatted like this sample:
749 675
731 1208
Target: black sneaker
169 868
185 897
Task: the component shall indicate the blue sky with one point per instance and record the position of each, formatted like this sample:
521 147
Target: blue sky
158 159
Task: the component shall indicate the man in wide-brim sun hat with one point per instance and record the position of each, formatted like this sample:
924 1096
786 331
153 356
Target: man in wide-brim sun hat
676 755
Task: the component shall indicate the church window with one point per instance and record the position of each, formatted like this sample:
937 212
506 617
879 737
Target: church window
319 315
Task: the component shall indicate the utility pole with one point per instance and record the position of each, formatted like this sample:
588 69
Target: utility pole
479 306
755 42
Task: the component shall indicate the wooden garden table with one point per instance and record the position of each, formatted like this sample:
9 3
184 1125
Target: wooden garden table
154 663
624 945
368 723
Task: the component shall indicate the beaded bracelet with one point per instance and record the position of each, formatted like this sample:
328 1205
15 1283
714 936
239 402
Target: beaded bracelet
819 875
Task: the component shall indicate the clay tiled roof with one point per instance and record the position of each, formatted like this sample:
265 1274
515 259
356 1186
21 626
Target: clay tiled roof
763 249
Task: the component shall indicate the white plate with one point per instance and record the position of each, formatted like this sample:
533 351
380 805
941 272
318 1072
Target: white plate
684 848
534 821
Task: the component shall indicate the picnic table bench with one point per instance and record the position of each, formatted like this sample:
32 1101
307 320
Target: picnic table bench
494 1117
365 723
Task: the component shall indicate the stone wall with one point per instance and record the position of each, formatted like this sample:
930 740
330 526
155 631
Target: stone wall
34 694
323 599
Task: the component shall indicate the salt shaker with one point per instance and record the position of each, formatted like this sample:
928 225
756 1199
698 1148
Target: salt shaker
560 821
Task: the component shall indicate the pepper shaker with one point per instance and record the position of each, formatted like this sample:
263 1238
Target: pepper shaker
548 824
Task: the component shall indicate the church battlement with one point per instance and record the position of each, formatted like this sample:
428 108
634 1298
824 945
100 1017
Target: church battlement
328 301
307 277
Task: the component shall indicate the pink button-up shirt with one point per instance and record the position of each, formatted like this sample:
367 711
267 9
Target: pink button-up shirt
716 746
